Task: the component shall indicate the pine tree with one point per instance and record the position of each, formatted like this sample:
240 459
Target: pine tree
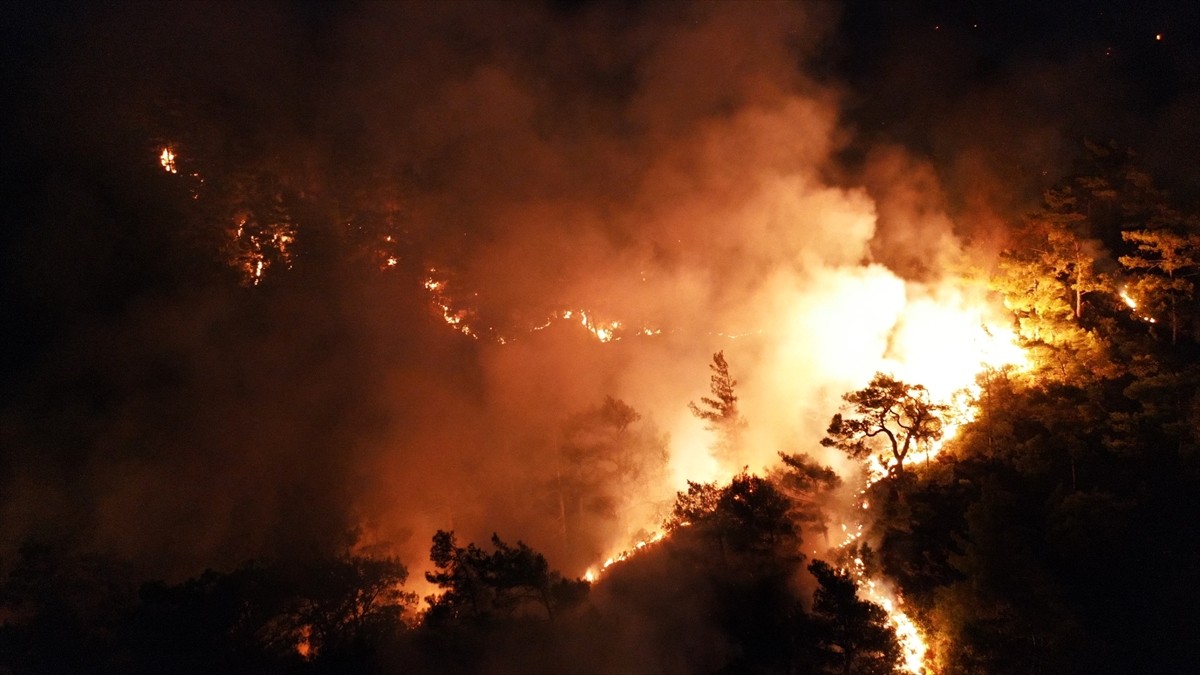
720 412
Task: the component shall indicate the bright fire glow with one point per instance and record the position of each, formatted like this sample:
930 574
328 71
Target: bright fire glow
252 251
942 337
1128 300
454 317
593 573
944 341
912 642
1133 305
167 159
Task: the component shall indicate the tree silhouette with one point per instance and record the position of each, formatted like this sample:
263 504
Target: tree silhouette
853 634
806 483
748 517
899 412
478 586
608 456
720 413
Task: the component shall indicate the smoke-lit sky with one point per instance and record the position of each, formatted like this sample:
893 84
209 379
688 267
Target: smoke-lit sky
802 175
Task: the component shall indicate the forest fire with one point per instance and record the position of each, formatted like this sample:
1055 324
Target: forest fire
454 317
944 341
945 347
912 640
1133 305
458 317
253 248
336 287
593 573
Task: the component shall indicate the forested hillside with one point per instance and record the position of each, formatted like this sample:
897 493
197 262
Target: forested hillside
599 338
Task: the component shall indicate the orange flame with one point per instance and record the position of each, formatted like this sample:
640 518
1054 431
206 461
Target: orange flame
1133 305
593 573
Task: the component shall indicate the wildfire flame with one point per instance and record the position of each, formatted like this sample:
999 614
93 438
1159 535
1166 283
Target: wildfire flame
912 642
250 250
460 318
167 159
593 573
943 342
456 318
943 345
1133 305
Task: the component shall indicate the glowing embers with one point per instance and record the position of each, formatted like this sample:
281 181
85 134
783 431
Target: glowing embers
1133 305
465 319
254 248
304 646
593 573
453 316
168 159
604 331
385 251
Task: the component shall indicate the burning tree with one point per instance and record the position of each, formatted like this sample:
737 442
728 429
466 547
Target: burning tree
721 414
1167 260
1045 283
900 412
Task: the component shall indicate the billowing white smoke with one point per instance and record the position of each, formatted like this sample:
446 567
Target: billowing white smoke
702 202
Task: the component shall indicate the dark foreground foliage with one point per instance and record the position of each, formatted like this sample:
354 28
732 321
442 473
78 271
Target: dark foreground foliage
723 593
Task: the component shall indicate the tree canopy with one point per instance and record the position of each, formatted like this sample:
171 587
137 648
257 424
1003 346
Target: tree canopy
901 415
720 413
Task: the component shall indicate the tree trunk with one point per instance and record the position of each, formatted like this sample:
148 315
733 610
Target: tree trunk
562 512
1174 325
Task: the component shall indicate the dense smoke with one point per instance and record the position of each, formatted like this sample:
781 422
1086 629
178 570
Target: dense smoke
674 167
